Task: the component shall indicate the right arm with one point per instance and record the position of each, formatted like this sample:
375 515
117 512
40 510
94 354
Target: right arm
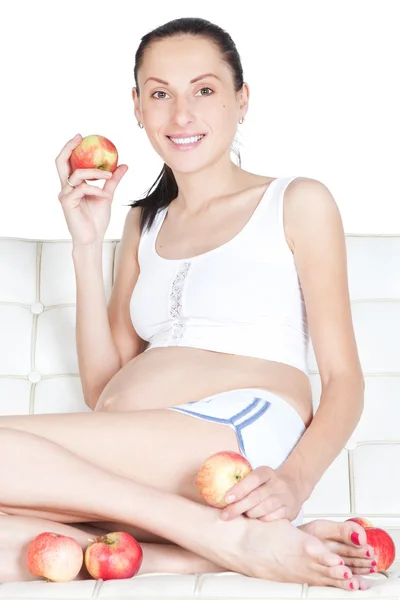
105 337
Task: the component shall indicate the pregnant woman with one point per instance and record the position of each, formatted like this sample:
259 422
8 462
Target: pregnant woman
222 276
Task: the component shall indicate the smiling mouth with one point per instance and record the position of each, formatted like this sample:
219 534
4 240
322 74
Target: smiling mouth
196 139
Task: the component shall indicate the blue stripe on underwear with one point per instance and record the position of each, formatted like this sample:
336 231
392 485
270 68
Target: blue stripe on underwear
238 428
256 415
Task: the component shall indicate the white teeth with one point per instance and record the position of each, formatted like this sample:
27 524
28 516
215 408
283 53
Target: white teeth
190 140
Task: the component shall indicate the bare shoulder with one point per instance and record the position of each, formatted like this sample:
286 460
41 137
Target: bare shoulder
307 201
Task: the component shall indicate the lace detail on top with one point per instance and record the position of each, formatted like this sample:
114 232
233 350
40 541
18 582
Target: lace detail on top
176 301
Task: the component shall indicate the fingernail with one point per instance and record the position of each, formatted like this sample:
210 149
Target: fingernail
77 136
230 498
346 575
352 585
355 538
368 553
372 570
374 563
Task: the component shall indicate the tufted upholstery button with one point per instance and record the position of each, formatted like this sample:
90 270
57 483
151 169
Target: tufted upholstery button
34 376
37 308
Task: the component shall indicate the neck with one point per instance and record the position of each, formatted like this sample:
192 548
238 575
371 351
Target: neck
197 190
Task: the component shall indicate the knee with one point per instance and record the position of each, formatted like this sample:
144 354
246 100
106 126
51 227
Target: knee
110 405
105 406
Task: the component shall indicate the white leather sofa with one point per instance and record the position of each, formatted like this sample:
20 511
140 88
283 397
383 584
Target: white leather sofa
39 374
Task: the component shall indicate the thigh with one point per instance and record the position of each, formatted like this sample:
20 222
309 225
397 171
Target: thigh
161 448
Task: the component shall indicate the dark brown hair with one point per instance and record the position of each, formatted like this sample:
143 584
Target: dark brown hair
166 187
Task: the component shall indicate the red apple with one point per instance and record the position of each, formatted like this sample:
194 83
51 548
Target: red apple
55 557
361 521
94 152
219 473
116 555
383 546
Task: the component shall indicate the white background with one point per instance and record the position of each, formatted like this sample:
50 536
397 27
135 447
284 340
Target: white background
324 103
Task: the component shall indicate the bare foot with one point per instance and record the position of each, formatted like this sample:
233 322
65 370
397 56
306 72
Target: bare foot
338 538
279 551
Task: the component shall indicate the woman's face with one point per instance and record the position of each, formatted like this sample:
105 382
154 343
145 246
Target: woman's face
209 106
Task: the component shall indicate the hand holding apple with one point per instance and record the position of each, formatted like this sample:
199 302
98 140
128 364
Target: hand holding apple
54 557
115 555
87 208
220 472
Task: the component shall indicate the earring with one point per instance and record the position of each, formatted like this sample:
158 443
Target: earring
140 125
241 120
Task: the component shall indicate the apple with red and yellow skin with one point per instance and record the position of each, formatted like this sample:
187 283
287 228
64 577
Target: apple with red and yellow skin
94 152
383 546
219 473
54 557
116 555
361 521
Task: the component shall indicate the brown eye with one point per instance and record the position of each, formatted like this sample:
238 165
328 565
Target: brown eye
161 92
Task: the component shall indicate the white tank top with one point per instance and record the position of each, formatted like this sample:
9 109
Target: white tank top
243 297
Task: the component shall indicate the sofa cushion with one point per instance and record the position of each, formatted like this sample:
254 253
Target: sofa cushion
39 374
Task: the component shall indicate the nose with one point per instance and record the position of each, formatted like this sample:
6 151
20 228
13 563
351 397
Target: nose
182 113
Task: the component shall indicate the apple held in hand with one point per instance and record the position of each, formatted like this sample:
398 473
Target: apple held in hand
361 521
383 546
116 555
94 152
219 473
55 557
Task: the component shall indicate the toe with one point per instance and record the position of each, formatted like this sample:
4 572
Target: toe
353 534
351 584
353 556
362 583
348 532
340 572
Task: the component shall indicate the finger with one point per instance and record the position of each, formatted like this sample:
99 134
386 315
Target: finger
75 195
252 481
113 181
281 513
62 160
252 500
81 175
268 506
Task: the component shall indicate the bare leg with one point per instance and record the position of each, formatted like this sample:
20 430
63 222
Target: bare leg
17 532
276 550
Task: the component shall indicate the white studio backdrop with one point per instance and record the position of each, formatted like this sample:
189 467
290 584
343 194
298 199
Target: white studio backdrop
324 100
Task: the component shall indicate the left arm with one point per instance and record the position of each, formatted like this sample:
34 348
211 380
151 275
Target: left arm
339 411
315 228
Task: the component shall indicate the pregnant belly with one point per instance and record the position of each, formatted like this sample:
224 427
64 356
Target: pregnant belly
164 377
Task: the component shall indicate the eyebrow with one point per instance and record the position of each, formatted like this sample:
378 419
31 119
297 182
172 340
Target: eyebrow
191 81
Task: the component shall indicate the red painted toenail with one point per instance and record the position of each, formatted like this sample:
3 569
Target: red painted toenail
346 575
352 585
355 538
